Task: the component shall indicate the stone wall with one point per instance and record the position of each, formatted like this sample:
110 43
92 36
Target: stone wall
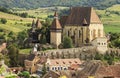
86 52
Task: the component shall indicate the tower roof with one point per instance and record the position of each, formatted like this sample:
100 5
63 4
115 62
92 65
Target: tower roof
55 14
33 23
38 24
56 24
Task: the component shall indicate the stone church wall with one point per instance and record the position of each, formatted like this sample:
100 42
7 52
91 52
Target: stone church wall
81 52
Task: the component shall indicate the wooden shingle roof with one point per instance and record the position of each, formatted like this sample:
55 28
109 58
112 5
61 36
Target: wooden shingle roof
79 14
56 24
38 24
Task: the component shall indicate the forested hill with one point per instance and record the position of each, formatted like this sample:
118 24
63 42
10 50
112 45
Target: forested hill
100 4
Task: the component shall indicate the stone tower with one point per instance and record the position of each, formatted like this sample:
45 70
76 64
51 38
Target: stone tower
55 31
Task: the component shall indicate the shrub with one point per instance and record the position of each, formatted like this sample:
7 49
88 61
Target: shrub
67 42
3 21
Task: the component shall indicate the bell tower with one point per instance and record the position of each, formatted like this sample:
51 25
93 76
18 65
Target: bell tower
55 31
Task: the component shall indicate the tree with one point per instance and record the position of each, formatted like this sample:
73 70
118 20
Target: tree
3 21
13 55
43 39
67 42
98 56
44 70
24 15
21 38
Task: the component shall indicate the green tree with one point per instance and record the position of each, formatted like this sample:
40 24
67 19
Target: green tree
98 56
24 15
26 74
43 39
13 55
3 21
67 42
44 70
21 38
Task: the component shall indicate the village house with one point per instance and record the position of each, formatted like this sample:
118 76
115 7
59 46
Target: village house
34 62
97 69
63 64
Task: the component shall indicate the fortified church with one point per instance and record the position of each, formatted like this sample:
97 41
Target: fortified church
82 25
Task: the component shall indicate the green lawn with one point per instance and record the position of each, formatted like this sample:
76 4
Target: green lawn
14 23
25 51
112 28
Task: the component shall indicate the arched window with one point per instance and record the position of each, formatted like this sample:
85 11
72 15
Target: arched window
99 33
74 33
69 32
94 34
79 33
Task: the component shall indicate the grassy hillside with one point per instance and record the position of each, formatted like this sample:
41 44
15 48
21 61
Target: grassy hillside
14 23
111 18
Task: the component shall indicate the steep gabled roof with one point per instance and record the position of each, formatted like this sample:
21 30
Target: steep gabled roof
63 20
78 14
38 24
33 24
56 24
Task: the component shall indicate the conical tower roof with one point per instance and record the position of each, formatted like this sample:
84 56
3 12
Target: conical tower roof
38 24
33 24
56 24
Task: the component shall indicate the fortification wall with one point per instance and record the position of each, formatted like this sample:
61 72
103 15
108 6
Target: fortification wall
86 52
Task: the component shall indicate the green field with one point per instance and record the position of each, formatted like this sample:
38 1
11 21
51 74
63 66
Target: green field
14 23
111 22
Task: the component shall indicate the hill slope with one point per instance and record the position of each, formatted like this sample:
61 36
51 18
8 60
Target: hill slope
100 4
14 23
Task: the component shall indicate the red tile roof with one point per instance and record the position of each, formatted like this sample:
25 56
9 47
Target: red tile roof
56 62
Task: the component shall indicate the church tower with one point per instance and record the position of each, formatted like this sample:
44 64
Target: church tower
55 31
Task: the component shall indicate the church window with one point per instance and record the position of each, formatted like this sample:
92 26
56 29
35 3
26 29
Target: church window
65 68
74 33
94 34
68 32
52 68
58 68
79 33
55 68
98 43
61 68
99 33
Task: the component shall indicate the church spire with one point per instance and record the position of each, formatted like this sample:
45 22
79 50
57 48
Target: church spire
56 24
38 24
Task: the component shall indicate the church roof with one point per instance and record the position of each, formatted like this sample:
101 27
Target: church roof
78 15
38 24
56 24
63 20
